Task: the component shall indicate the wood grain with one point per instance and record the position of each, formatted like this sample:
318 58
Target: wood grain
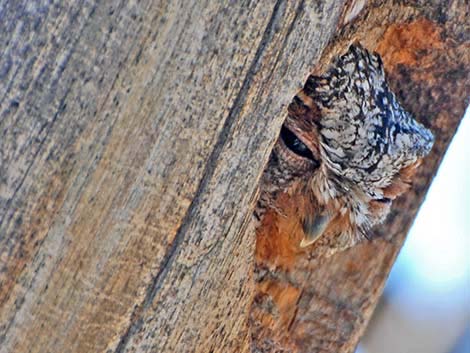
133 135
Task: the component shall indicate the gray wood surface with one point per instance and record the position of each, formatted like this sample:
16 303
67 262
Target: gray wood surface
132 138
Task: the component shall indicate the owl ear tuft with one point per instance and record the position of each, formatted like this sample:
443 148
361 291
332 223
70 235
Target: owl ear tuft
314 226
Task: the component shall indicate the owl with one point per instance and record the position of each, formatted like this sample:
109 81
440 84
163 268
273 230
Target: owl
346 150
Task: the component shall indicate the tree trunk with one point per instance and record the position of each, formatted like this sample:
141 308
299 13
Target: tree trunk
132 138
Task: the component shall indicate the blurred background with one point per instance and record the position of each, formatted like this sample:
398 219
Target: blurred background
426 303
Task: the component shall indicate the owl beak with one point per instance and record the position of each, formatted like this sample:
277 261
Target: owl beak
314 227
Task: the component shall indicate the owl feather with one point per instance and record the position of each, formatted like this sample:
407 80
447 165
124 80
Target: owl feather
348 147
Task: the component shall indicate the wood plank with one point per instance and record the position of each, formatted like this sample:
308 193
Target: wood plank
133 135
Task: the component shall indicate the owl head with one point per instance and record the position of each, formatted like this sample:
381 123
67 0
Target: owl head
353 143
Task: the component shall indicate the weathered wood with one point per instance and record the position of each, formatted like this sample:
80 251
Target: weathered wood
132 136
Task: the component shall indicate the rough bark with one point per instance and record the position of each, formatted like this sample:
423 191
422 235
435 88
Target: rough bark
132 137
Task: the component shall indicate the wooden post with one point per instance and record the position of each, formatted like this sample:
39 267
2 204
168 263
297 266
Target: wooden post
132 138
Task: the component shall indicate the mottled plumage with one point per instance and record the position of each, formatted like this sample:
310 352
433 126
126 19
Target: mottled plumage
349 147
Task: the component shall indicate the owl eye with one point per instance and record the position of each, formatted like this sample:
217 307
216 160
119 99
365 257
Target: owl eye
294 144
384 200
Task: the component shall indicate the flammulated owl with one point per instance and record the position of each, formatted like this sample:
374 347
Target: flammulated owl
346 150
